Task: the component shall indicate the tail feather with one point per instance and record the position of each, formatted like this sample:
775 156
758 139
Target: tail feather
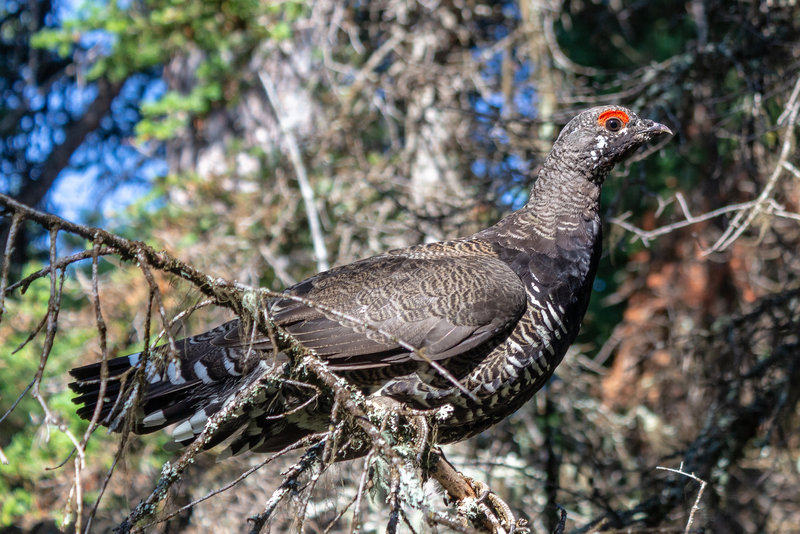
186 396
88 385
116 367
166 400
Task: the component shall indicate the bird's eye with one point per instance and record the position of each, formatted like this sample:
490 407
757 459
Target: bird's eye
613 120
613 124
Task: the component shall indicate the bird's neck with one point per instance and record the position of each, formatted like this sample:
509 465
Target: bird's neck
566 193
563 206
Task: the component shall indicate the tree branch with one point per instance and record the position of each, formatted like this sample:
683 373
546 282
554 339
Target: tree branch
75 132
738 226
314 226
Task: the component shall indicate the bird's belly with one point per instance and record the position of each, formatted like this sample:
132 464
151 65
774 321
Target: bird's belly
509 376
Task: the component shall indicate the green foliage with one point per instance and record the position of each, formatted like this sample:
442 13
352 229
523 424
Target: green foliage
147 36
17 503
29 445
33 449
593 38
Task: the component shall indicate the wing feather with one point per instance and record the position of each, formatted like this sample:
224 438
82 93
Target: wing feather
445 306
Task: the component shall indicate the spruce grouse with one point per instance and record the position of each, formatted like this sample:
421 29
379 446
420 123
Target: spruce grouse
497 310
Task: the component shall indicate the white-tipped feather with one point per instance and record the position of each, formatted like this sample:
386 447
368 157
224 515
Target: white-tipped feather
202 372
230 366
198 421
183 431
154 419
151 373
174 374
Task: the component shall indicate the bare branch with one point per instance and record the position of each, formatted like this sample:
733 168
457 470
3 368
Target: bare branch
102 332
221 290
305 441
320 250
647 235
310 459
737 226
357 410
696 505
9 249
61 264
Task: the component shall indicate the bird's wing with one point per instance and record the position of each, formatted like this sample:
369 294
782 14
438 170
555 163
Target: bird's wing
369 314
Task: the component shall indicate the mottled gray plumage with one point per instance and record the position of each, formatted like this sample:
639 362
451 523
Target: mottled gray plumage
497 309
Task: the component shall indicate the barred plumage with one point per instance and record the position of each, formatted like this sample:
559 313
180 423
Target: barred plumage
498 310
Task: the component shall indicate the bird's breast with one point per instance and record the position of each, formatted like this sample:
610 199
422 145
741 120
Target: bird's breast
558 288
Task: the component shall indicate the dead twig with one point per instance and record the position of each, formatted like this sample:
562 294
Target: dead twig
493 514
272 457
742 222
9 249
696 505
647 235
312 214
313 457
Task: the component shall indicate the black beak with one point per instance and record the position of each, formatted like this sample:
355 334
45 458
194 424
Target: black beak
653 129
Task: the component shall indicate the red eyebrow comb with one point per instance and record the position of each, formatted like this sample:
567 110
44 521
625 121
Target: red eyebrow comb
621 115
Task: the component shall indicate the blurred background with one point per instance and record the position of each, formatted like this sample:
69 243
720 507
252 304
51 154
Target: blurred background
264 141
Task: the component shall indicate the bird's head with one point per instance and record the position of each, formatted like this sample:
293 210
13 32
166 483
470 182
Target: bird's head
598 138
